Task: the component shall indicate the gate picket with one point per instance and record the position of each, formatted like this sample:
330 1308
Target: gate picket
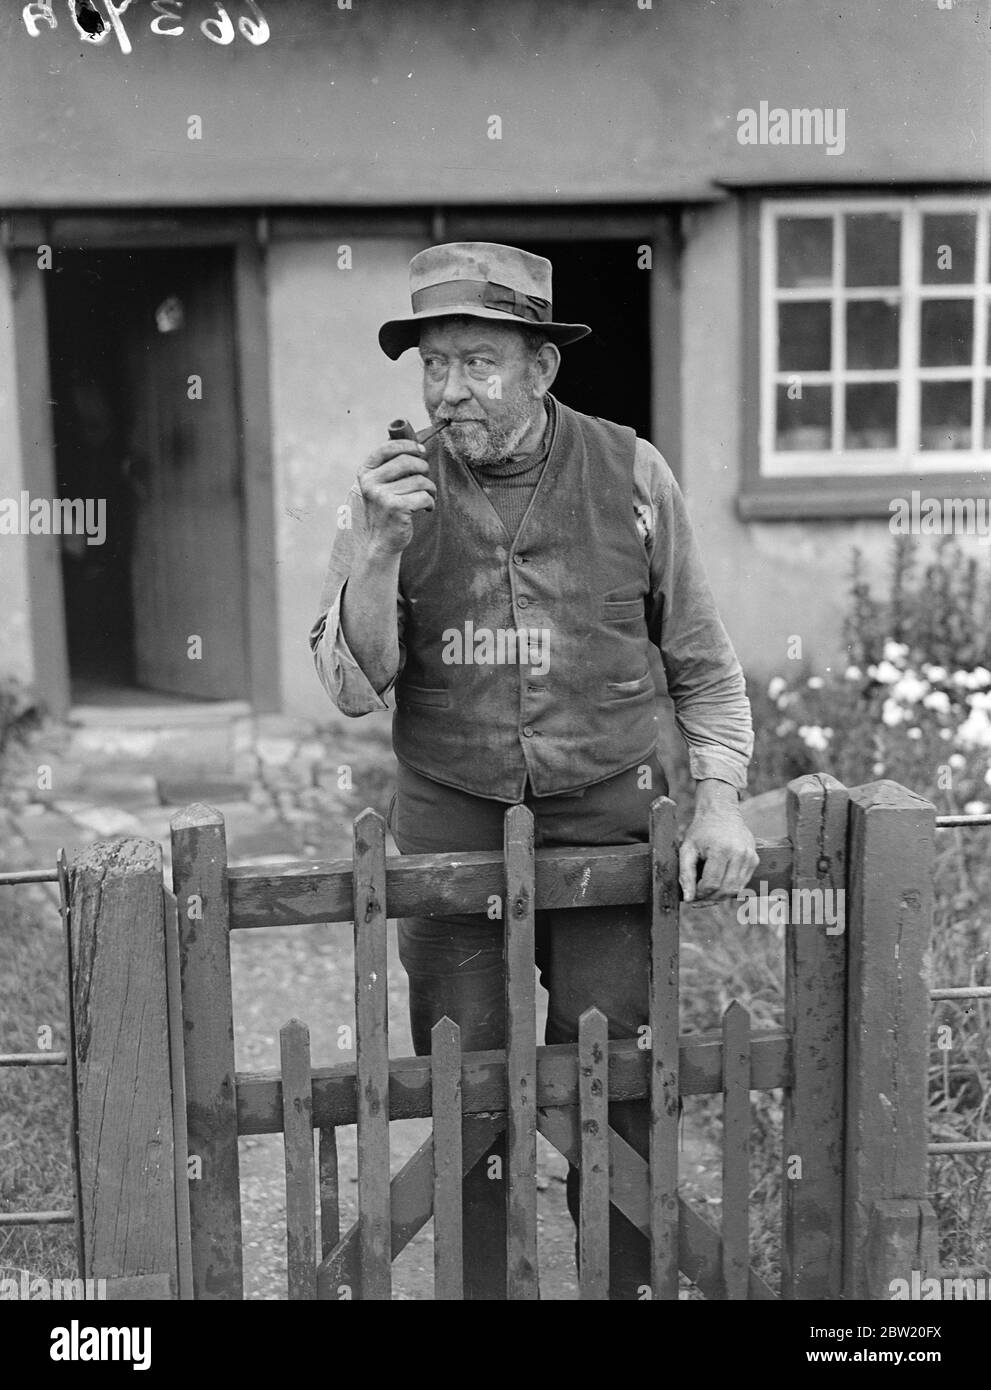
736 1150
446 1105
521 1057
593 1116
372 1047
663 1021
330 1206
297 1129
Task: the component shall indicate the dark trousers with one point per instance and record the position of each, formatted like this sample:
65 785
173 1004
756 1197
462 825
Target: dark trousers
597 955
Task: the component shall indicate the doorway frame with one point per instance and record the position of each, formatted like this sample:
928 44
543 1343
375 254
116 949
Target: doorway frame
24 234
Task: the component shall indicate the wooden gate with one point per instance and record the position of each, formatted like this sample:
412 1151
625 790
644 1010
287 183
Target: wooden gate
850 1061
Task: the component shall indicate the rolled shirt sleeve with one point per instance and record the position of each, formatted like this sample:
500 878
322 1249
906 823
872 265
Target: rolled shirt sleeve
340 675
705 680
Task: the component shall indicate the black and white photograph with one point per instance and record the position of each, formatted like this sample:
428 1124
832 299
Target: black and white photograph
495 666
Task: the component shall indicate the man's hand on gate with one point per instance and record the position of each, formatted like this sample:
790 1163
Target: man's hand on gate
719 838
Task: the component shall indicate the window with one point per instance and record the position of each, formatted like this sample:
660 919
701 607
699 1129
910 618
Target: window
874 347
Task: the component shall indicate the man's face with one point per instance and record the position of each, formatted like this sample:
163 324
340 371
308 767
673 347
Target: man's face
482 376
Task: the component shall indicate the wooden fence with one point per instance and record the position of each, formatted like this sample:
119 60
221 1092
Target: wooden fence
161 1107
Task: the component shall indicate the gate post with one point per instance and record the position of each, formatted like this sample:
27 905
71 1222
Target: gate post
815 1016
889 1227
199 882
119 1010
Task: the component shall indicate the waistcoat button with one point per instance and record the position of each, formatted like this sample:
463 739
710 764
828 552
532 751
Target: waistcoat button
527 731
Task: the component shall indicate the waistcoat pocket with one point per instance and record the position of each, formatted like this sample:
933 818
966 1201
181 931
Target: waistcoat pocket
423 695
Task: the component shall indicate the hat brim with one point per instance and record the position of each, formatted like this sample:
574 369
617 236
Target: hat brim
399 334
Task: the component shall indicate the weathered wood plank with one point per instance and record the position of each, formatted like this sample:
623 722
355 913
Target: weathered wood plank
199 880
141 1288
663 1020
430 885
330 1201
126 1151
521 1057
815 1015
297 1129
445 1059
593 1116
736 1151
177 1069
64 892
484 1080
699 1244
372 1049
700 1257
889 913
339 1275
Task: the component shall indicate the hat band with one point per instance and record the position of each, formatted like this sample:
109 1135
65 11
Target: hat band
455 293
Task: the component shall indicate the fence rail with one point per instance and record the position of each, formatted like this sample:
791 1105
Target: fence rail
150 996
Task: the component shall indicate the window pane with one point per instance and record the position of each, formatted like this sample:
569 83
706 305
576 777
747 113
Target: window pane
948 246
873 244
871 415
805 251
945 415
871 334
987 412
804 423
947 333
804 337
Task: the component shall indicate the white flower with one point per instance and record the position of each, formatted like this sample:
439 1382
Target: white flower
909 690
879 769
960 679
976 808
980 676
937 700
935 673
975 731
884 672
946 733
892 714
776 686
814 737
914 732
816 682
852 673
957 760
895 651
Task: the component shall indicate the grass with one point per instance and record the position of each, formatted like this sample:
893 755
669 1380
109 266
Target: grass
35 1162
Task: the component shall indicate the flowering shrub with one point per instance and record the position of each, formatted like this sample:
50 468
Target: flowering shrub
910 701
913 700
903 717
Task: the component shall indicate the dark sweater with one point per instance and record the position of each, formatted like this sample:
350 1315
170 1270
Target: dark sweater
510 484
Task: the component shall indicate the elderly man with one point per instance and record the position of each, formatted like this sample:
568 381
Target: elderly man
506 579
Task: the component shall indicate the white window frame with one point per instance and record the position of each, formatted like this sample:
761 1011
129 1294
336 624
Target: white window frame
908 457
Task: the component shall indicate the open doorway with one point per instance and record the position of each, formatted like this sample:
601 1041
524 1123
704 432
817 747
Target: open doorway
608 374
146 422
